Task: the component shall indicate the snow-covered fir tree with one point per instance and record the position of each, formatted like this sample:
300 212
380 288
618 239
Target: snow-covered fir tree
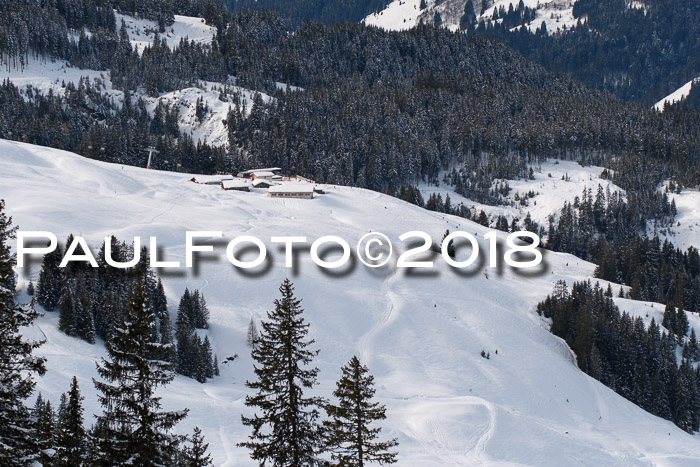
285 428
44 430
50 285
71 438
133 428
196 455
351 433
19 366
252 335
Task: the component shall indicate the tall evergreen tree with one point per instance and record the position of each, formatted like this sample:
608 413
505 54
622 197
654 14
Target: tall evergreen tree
50 285
160 302
66 317
44 430
18 364
166 338
134 429
252 336
348 434
71 439
285 430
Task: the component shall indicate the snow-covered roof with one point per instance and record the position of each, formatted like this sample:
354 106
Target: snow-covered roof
266 169
237 183
259 182
263 174
292 187
214 179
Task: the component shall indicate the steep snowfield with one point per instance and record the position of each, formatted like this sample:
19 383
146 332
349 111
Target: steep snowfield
46 75
397 16
142 31
550 189
677 95
685 231
211 129
405 14
551 192
420 335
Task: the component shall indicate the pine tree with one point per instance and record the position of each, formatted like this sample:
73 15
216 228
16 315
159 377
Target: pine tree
84 325
682 325
285 432
185 336
207 360
690 351
132 426
160 302
44 429
72 441
18 364
66 317
202 314
166 338
252 336
348 434
670 319
30 289
197 455
50 285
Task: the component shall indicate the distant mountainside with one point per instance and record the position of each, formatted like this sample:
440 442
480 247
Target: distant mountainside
325 11
638 50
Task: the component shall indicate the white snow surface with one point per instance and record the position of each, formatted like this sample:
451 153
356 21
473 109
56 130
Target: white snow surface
211 129
143 31
46 75
405 14
551 191
685 231
420 335
677 95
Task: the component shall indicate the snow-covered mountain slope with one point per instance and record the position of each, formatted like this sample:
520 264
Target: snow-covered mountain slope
405 14
212 127
142 31
556 181
677 95
46 75
685 231
51 76
420 334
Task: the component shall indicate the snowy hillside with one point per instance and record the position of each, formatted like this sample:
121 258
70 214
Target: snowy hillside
405 14
420 335
52 75
142 31
557 182
685 231
677 95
